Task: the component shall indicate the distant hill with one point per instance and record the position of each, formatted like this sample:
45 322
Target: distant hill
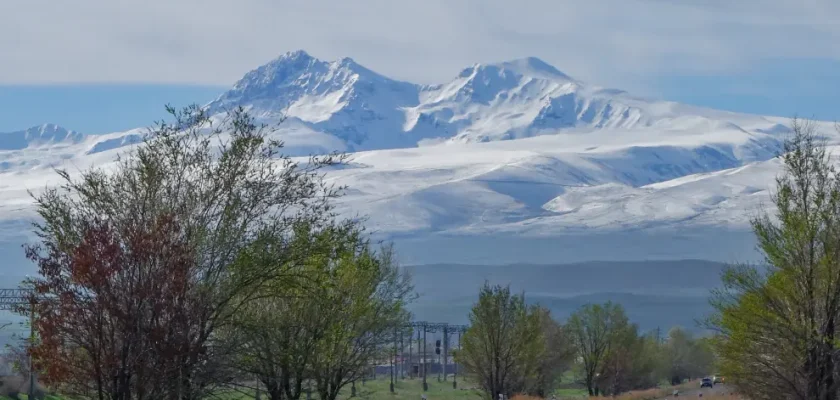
654 293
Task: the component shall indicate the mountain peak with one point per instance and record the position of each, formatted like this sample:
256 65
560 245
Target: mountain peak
533 66
285 82
288 65
347 61
39 135
528 67
47 128
295 55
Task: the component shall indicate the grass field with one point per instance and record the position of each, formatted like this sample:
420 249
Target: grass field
412 389
372 390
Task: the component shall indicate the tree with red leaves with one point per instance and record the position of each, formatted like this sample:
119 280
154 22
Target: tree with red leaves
142 265
106 328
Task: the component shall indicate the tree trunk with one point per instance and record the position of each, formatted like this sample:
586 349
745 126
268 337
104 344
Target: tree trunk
828 360
273 390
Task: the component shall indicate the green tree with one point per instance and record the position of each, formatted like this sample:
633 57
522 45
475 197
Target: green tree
623 364
504 345
677 354
778 323
362 307
558 357
646 367
141 265
278 333
705 360
686 357
595 329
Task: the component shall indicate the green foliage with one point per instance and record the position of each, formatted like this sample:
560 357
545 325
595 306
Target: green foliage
363 308
597 330
328 321
155 256
555 361
778 327
505 344
631 361
685 357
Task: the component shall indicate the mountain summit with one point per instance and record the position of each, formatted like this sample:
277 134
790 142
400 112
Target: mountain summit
529 67
506 162
364 110
341 98
36 136
341 105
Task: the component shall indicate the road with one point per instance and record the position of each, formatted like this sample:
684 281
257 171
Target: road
719 389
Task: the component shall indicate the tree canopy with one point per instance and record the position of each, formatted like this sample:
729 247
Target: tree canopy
778 321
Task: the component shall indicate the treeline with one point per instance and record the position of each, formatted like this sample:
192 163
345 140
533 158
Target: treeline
514 348
776 324
205 261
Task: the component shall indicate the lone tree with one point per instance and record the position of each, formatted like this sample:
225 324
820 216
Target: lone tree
626 365
779 324
334 321
596 329
684 356
558 357
361 310
141 265
503 348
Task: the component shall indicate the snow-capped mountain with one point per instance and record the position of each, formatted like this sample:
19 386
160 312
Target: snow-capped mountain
509 100
39 136
507 162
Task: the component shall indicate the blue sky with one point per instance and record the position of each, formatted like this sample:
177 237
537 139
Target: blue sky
95 108
808 88
100 66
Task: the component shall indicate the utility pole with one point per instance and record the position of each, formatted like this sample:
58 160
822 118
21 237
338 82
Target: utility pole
410 363
418 355
442 349
394 360
455 377
14 300
31 346
445 351
440 365
402 359
425 385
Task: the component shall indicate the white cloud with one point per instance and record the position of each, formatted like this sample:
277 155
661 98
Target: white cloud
610 42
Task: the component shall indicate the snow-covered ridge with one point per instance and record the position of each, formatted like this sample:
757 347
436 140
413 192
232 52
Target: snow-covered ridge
484 102
39 136
507 162
344 106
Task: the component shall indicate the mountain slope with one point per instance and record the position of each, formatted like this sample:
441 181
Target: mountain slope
39 136
505 163
485 102
342 98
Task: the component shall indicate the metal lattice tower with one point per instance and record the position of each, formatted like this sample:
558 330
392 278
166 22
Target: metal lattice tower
11 299
14 299
433 327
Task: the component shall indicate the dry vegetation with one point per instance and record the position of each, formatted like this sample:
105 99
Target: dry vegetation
655 394
651 394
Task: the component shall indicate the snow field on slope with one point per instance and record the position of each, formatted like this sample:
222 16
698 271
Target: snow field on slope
604 173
